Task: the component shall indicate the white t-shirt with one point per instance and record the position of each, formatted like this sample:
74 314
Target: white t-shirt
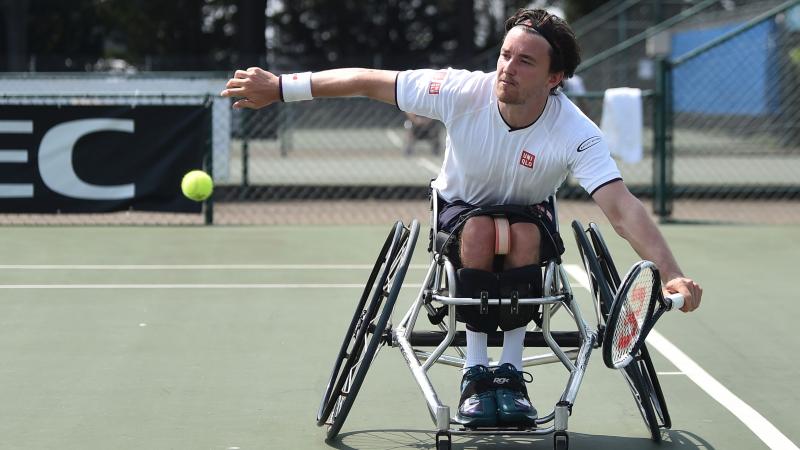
488 163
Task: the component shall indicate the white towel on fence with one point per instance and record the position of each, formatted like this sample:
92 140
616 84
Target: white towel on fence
622 123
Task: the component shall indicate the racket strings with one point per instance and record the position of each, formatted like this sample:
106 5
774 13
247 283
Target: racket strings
633 313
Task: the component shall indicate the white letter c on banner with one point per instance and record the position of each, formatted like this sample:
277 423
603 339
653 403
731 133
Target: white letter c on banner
55 160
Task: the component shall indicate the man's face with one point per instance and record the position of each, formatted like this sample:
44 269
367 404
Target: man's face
523 68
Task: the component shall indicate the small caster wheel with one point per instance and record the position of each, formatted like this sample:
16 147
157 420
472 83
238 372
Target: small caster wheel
443 440
561 441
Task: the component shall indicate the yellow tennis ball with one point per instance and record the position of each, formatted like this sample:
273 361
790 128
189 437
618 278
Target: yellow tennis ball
197 185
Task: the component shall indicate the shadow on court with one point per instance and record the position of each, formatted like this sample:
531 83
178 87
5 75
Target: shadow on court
387 439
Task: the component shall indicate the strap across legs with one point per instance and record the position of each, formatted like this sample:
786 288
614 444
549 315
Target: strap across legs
502 235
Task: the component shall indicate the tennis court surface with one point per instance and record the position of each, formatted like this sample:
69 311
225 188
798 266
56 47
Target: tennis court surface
223 338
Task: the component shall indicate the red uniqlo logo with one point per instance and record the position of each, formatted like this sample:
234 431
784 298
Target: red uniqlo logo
527 159
294 77
434 87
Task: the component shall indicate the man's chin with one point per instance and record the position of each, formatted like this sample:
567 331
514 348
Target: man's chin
507 97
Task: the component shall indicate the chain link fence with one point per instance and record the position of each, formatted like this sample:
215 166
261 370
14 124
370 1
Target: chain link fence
735 119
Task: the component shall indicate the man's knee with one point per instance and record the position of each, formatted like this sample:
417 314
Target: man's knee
477 242
525 243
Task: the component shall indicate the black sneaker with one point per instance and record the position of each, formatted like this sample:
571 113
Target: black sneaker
477 407
513 405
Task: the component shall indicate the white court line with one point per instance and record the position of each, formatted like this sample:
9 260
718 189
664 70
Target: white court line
751 418
425 164
194 266
396 141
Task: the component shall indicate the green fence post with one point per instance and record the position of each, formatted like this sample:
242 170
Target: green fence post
208 161
662 142
245 137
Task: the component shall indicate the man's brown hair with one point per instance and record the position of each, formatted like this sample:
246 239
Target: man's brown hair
565 54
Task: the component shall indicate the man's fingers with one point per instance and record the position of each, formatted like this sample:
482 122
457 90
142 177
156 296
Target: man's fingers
244 103
241 74
695 292
232 92
235 82
691 291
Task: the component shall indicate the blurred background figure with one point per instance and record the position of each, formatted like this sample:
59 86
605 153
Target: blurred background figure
574 88
420 128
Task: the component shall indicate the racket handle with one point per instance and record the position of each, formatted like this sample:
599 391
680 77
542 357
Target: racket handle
675 301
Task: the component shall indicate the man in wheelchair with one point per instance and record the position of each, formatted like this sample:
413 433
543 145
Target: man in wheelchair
512 139
498 250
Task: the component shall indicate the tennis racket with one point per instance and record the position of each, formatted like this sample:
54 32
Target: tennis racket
638 305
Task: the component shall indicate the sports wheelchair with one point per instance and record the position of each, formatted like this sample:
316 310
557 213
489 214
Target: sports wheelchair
371 327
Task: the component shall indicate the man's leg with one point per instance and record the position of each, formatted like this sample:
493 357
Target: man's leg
514 406
477 252
477 405
525 239
477 243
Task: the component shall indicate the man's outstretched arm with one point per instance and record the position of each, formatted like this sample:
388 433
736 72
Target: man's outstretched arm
256 88
631 221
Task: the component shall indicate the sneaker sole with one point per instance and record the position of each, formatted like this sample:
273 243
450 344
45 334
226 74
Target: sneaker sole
472 422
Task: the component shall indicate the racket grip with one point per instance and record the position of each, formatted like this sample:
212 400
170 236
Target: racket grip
675 301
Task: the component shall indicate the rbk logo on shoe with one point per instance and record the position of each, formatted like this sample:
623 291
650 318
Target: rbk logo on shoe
502 380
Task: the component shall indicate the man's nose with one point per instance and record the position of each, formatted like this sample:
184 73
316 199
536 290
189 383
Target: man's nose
511 66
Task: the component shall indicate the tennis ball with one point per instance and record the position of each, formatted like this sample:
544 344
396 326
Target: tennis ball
197 185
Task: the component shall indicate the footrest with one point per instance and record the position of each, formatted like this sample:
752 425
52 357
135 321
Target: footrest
495 339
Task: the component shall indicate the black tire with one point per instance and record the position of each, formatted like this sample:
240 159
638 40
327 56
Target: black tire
368 328
602 292
561 441
643 394
640 375
653 386
443 442
604 257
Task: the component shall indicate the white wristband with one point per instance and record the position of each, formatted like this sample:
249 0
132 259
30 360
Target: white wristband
296 87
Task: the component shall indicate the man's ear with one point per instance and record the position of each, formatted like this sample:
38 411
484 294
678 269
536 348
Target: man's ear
555 79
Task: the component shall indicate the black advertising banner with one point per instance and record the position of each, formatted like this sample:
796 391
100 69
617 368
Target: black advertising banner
99 158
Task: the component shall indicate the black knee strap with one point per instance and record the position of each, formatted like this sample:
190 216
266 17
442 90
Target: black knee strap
471 282
475 283
525 280
522 282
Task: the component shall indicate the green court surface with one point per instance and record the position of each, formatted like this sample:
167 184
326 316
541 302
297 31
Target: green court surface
223 338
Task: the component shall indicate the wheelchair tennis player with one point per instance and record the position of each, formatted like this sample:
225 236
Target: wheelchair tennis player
512 139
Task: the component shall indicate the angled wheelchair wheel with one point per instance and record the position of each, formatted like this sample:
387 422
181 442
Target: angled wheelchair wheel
651 383
604 257
641 374
602 291
369 327
642 393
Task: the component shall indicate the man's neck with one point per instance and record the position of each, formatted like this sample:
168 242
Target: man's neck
522 115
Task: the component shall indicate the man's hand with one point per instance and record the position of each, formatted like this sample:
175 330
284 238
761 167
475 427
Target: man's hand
254 88
691 291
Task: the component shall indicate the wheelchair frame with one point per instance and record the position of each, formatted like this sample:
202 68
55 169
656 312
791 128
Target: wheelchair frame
371 328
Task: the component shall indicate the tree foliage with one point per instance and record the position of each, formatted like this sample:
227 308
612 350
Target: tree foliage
222 34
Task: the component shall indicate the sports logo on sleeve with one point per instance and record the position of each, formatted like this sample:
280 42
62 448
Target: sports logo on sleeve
527 159
435 86
589 143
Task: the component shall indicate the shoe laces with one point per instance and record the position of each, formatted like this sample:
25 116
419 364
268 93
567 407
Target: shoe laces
519 373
